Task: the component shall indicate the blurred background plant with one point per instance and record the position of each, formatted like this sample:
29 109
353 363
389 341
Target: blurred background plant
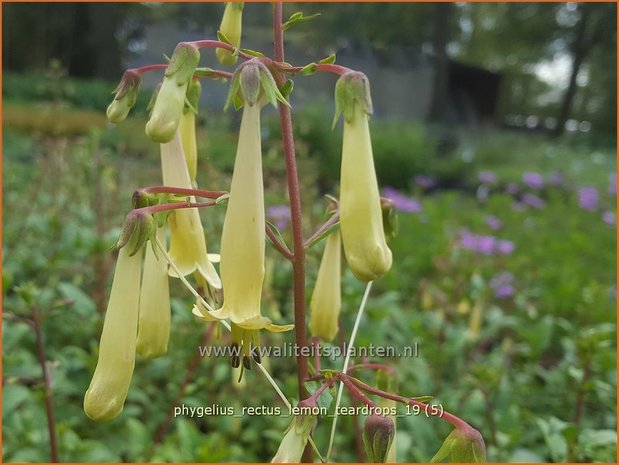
504 266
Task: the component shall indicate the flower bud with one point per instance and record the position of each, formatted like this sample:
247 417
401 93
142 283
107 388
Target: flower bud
108 389
125 97
464 445
327 296
361 217
231 27
170 102
378 433
136 230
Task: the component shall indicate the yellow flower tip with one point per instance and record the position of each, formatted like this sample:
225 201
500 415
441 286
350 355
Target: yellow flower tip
110 383
231 26
327 299
293 444
361 219
154 313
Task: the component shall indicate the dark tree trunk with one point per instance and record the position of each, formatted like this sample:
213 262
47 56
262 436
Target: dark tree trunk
580 48
440 89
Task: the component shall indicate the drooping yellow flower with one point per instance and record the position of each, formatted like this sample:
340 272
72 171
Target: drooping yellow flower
295 439
231 27
361 219
187 241
243 244
154 319
327 296
108 389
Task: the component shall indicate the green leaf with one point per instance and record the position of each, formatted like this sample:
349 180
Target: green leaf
319 238
222 38
309 69
329 60
253 53
273 228
296 18
13 395
287 88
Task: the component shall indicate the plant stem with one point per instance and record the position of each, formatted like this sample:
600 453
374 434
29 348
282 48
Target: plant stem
321 230
298 248
49 405
353 336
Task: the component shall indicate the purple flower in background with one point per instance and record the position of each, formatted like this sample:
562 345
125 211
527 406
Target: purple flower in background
485 244
533 200
493 222
533 180
280 214
555 178
401 202
487 177
512 188
426 182
612 180
502 284
505 247
588 198
609 218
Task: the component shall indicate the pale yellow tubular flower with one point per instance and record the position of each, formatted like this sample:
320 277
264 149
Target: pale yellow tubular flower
187 241
243 243
108 389
361 220
154 320
187 131
293 444
231 26
327 296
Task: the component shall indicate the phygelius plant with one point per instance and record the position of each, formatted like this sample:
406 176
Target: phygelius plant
163 237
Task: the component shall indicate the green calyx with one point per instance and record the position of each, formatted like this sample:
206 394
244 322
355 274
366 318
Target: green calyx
125 96
352 89
138 228
183 63
253 84
193 96
463 445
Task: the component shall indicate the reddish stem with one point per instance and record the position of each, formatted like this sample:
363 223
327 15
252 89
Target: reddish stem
144 69
371 366
326 225
171 206
279 245
355 391
454 420
49 404
181 191
298 261
323 67
219 44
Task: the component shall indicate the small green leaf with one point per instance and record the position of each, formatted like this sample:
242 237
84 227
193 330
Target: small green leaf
296 18
287 88
222 38
278 234
309 69
319 238
329 60
253 53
